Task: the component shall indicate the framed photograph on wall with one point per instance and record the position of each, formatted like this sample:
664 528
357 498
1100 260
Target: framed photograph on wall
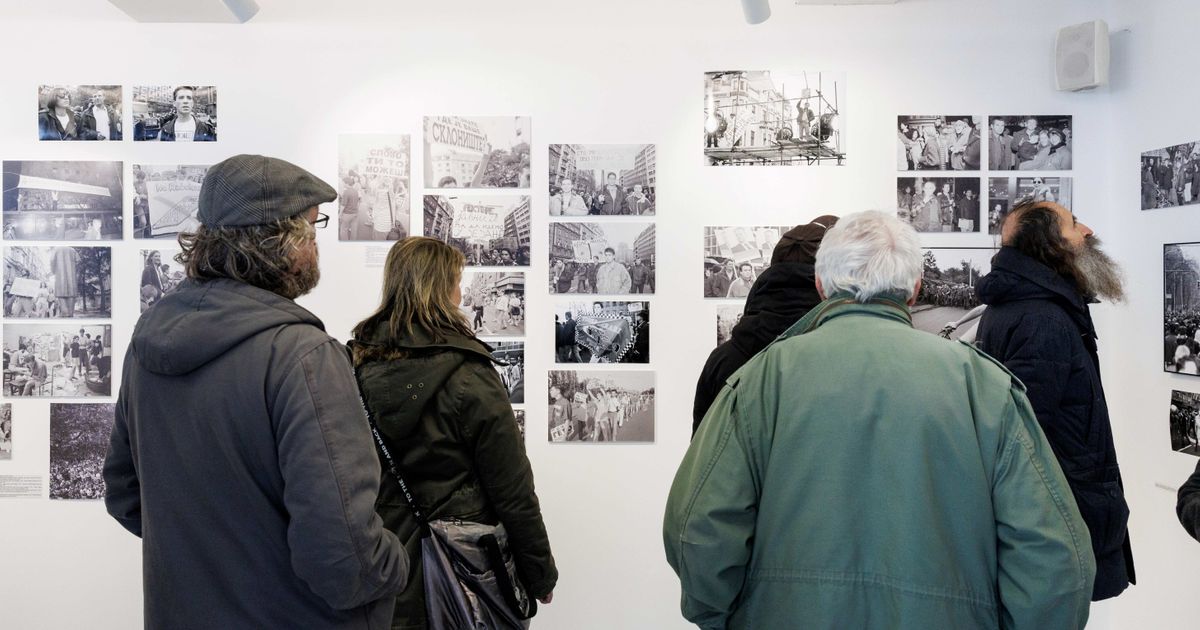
65 282
728 316
494 302
490 230
939 142
947 304
1171 176
734 257
79 437
58 360
80 112
63 201
616 258
939 204
602 180
1181 308
1005 192
1184 421
160 273
601 406
174 113
166 199
1030 143
510 357
602 332
477 151
373 187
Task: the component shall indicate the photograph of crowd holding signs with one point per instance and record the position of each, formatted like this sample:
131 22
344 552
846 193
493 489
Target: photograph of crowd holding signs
1029 143
80 112
594 406
1181 308
1005 192
939 143
602 258
602 332
494 302
63 201
510 365
79 436
57 360
477 152
161 274
1171 176
735 256
947 304
166 199
602 180
58 282
175 113
939 204
373 187
490 230
1185 423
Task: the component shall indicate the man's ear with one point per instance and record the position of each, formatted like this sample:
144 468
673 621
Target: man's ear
820 289
916 291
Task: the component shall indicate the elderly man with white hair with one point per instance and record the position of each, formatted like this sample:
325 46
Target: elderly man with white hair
858 473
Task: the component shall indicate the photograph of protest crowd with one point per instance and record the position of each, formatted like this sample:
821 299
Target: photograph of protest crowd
161 274
1005 192
1185 423
593 406
602 332
6 429
80 112
58 282
175 113
490 230
735 256
510 365
166 198
373 187
728 316
947 304
602 180
1171 176
1181 308
494 303
939 204
57 360
477 152
939 143
602 258
774 118
519 414
62 201
1029 143
79 436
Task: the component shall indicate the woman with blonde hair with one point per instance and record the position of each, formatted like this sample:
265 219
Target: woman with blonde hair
444 416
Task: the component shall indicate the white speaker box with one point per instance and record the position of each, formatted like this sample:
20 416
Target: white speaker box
1081 56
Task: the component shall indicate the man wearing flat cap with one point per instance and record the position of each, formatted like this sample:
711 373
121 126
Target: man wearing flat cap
241 453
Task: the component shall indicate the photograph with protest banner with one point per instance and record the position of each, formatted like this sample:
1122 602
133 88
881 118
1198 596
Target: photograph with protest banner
373 187
734 257
166 199
602 258
510 365
947 304
80 112
58 360
58 282
79 436
477 152
161 275
490 230
175 113
63 201
602 179
602 332
494 302
598 406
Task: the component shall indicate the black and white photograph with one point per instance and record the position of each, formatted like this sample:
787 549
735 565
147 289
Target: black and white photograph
1181 308
161 275
602 332
510 365
58 282
939 204
774 118
63 201
166 199
494 302
79 436
602 258
939 143
477 152
80 112
734 256
602 180
1185 423
6 431
728 316
1005 192
1171 176
490 230
947 304
175 113
58 360
1029 143
373 187
597 406
519 414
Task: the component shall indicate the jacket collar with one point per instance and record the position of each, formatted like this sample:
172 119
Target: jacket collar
421 339
1013 261
889 306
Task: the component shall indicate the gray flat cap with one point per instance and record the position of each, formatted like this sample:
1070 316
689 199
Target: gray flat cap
247 190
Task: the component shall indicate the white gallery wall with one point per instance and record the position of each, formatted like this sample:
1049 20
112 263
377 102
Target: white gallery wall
621 71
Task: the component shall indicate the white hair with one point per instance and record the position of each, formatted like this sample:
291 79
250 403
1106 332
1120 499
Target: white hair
869 254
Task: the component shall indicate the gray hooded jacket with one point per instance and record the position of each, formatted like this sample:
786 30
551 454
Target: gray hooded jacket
242 457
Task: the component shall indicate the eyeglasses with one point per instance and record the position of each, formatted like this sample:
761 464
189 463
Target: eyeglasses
322 221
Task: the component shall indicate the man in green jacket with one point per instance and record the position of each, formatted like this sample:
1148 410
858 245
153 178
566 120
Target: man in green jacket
858 473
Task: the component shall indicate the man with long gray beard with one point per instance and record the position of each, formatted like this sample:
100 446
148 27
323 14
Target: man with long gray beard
1037 323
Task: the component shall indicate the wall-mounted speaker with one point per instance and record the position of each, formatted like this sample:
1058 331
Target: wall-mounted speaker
1081 56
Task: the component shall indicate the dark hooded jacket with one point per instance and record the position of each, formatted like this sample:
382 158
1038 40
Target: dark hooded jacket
779 298
1188 507
242 457
445 416
1039 326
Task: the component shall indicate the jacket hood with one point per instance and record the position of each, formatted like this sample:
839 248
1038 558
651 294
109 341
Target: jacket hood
1015 277
780 297
203 320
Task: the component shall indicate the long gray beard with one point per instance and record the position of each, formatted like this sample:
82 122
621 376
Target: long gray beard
1104 276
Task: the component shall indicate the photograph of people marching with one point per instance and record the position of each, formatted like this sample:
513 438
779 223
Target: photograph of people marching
591 406
947 304
490 230
1185 423
494 303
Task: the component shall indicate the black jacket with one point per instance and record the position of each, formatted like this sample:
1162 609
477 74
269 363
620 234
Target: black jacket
51 128
779 298
241 455
1188 507
1039 326
87 125
446 418
204 131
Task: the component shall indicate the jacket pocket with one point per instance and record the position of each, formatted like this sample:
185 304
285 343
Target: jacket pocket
1102 505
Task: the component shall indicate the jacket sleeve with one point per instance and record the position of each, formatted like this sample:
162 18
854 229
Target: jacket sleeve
505 474
331 476
711 514
122 489
1044 553
1188 507
1039 353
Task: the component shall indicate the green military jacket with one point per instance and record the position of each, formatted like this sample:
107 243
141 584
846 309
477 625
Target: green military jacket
858 473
